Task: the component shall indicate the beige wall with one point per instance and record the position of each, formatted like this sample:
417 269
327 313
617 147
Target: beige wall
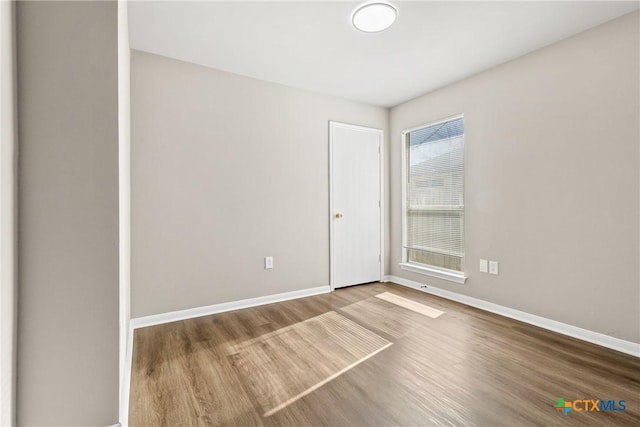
551 153
225 171
68 205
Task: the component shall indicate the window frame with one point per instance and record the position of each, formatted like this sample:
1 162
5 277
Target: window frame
429 270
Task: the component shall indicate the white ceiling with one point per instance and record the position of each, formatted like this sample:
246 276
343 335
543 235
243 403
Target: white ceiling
312 45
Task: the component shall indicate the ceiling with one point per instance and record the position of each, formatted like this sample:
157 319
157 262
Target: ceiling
312 45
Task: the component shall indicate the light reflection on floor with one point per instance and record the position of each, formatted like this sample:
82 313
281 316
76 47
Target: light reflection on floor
283 366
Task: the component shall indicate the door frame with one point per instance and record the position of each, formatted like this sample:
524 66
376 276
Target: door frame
380 132
8 216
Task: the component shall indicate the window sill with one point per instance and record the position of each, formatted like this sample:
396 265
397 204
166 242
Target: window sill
452 276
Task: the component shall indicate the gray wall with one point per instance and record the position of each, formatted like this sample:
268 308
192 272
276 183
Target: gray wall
225 171
68 204
551 179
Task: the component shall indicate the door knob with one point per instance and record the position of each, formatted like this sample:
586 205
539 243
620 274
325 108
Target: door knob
338 215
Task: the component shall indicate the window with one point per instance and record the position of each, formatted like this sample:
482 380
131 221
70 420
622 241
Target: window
434 199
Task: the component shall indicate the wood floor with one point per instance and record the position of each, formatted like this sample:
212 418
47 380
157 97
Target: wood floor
351 359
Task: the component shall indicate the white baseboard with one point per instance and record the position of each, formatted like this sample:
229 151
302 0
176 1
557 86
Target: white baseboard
603 340
173 316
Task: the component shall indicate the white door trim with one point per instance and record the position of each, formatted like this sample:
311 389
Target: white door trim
8 216
333 125
124 211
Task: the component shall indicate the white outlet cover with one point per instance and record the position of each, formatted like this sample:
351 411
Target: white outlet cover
268 263
484 266
493 267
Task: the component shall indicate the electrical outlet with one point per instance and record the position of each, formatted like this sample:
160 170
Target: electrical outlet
484 266
268 263
493 267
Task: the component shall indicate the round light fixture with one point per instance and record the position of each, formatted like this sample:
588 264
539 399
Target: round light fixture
373 17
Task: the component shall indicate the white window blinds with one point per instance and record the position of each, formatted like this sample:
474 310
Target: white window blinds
435 195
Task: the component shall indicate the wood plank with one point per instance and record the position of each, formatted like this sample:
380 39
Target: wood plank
282 366
468 367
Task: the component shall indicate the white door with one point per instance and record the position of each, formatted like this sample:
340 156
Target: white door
355 204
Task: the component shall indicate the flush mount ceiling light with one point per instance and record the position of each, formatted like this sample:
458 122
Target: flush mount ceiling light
374 16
